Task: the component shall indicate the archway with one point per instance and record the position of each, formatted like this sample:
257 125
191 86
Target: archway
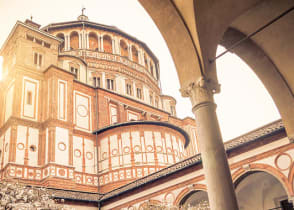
61 36
247 97
135 54
202 33
93 41
195 199
123 49
74 40
264 68
261 190
107 44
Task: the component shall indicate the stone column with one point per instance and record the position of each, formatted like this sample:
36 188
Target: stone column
80 40
139 56
68 42
102 47
113 46
99 44
83 39
65 42
221 192
130 53
116 45
87 41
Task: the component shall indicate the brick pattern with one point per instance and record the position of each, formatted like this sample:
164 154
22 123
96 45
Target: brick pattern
52 118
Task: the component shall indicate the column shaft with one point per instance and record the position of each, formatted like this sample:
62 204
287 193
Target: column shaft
102 47
220 187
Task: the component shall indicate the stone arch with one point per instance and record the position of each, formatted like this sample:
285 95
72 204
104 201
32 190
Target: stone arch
187 190
291 178
199 33
267 192
135 54
255 167
196 199
107 44
61 36
74 40
266 71
93 41
123 48
184 48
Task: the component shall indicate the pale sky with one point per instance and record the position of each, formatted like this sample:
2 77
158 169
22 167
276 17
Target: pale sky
243 103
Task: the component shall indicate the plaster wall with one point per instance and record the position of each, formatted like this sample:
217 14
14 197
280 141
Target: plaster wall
62 100
20 144
78 153
6 146
9 102
82 110
30 97
61 146
32 146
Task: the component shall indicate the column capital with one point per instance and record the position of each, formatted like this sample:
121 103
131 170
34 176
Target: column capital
201 91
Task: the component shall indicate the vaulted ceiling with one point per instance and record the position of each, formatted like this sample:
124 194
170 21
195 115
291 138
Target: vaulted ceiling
194 28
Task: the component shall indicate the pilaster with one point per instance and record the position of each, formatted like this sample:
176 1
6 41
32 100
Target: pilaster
70 148
12 145
102 47
51 144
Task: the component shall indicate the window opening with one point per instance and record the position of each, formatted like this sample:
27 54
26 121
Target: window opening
139 93
129 89
113 114
156 103
96 81
38 41
38 59
74 71
47 45
110 84
31 38
151 99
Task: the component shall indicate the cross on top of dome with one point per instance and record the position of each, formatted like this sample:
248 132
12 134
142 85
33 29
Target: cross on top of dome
83 17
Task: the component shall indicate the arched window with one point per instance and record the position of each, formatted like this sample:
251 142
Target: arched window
93 41
107 44
74 40
145 61
61 36
151 69
123 49
135 54
196 199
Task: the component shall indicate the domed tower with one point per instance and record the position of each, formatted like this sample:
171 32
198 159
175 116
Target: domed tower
88 113
106 57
